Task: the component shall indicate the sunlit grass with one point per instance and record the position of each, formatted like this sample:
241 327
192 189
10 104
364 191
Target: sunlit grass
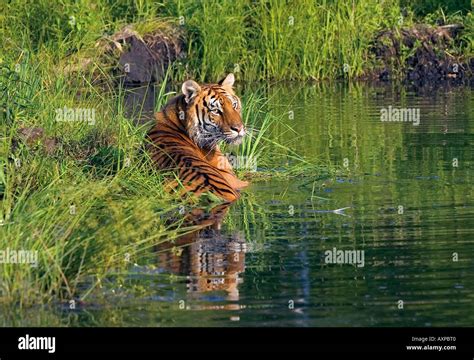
93 202
90 203
275 40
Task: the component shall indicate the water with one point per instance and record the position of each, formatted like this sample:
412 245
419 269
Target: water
409 205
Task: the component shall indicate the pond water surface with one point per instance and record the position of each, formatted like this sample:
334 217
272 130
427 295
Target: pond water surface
408 209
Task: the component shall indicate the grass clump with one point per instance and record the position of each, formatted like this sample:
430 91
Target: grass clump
258 40
275 40
77 192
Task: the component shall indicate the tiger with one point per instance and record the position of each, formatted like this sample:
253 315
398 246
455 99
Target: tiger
186 135
212 260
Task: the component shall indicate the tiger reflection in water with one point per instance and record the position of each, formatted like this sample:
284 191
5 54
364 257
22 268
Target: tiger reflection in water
211 260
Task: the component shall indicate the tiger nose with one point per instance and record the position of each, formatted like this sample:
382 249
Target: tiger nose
239 129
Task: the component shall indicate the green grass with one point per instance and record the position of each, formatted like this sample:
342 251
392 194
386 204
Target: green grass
463 46
425 7
257 40
275 40
93 203
89 205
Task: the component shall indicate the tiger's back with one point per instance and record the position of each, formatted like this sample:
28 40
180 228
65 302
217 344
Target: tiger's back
186 135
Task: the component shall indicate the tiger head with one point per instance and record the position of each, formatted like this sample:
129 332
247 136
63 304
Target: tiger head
213 113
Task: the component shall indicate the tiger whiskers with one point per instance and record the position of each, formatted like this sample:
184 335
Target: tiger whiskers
209 141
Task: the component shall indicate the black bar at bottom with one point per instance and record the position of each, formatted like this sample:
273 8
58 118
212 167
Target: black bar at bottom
68 341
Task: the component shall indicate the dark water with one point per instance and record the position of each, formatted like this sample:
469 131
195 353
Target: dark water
409 205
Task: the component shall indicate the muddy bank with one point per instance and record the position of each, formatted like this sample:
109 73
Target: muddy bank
422 55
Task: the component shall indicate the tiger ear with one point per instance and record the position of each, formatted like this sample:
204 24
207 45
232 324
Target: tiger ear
228 80
190 89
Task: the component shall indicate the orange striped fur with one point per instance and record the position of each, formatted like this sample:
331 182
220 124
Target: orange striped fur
187 132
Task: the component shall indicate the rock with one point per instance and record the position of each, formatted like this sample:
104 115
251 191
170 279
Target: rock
139 103
138 63
128 57
141 60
